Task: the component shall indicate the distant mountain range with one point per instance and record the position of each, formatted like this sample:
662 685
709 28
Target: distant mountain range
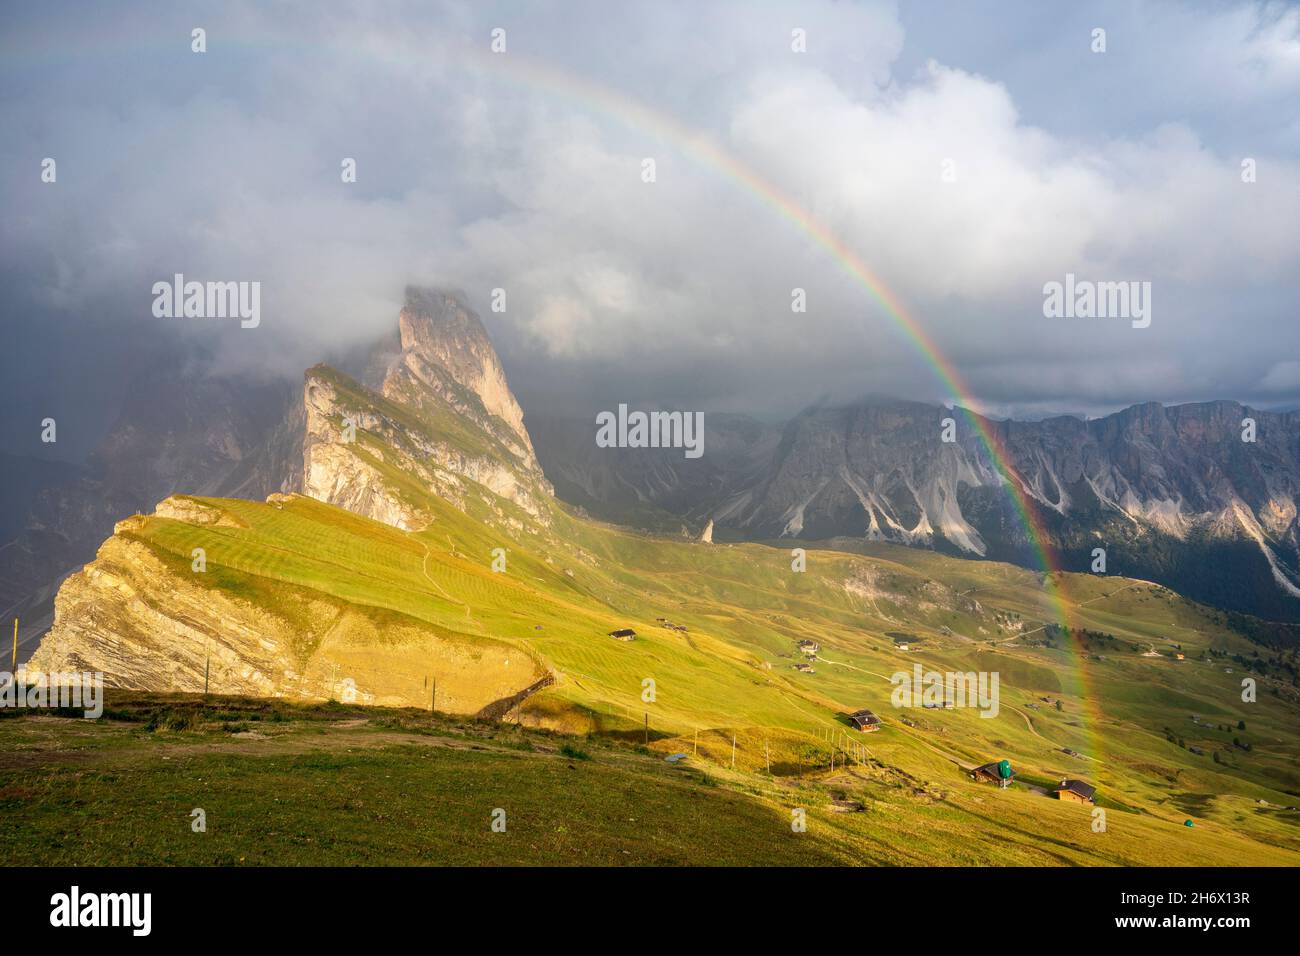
1173 494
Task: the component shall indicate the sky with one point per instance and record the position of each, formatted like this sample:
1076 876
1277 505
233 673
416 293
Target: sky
962 155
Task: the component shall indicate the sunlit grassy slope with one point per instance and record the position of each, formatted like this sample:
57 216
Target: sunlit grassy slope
1126 705
329 784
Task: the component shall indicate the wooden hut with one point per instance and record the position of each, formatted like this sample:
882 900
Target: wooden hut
865 721
1075 791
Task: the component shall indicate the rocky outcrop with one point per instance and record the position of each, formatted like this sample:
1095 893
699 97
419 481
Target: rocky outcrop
444 423
390 457
148 619
442 341
335 470
134 617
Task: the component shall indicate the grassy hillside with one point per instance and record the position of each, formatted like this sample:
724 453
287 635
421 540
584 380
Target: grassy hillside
1126 703
329 784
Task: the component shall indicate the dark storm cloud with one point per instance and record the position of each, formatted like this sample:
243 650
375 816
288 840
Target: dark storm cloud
525 174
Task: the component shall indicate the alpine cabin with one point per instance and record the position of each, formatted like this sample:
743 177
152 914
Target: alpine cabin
999 772
1075 791
865 721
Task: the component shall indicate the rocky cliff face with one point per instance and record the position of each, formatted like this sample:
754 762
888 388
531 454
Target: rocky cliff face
878 471
434 408
141 615
444 345
444 417
442 425
128 614
1175 494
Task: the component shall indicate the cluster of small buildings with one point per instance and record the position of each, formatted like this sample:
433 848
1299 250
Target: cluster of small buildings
1002 773
809 648
627 634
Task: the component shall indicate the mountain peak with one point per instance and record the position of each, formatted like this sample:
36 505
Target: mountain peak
444 414
439 330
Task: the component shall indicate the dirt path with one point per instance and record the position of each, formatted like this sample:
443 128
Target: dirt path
424 569
852 667
1029 723
1102 597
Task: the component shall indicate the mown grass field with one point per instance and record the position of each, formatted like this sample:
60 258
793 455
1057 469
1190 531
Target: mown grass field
316 792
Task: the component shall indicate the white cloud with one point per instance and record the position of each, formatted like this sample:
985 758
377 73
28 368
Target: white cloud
1282 377
480 177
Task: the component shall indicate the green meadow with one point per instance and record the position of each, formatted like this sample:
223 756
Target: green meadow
311 782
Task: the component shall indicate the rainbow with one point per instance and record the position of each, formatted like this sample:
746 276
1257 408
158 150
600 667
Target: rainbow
629 112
